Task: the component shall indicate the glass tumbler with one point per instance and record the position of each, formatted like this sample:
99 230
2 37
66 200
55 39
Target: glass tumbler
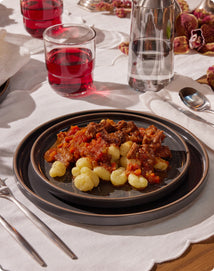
70 58
151 54
40 14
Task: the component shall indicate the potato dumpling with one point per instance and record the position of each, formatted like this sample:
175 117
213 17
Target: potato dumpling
114 152
83 162
92 174
58 169
161 164
84 182
102 173
123 161
118 177
138 182
125 148
75 171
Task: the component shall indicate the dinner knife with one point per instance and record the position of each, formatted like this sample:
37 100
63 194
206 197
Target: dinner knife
37 221
22 241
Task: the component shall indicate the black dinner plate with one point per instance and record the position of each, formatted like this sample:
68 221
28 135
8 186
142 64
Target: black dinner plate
106 195
3 89
38 193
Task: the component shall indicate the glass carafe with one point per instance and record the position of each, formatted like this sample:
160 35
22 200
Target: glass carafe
151 56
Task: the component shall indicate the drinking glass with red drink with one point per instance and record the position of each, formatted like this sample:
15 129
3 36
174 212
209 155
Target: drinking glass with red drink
40 14
70 57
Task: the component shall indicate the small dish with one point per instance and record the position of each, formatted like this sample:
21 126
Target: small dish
107 196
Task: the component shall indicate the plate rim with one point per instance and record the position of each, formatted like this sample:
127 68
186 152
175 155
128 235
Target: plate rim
110 200
44 204
3 89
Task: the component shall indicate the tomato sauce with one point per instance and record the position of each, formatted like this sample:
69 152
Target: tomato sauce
94 140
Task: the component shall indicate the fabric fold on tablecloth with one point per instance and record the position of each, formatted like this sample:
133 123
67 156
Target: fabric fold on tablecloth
33 45
157 103
12 57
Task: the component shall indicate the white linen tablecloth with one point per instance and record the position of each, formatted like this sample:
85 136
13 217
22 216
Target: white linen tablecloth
31 101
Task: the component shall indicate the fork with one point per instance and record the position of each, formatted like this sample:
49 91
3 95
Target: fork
22 241
6 193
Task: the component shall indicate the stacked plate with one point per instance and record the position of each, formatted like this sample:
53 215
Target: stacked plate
3 90
108 205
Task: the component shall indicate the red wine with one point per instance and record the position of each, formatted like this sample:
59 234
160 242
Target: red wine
70 70
40 14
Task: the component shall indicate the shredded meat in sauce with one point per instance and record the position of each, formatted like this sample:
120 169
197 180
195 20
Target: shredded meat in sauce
93 141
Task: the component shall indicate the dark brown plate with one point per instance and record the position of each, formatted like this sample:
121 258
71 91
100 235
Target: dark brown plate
38 193
3 89
106 195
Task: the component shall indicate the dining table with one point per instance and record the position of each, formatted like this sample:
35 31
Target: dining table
122 238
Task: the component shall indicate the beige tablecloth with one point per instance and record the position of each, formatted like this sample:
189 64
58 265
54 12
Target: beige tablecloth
31 101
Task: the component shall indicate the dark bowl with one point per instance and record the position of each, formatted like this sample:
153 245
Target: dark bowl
106 195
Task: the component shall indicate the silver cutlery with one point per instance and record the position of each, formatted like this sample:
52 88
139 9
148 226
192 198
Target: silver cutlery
22 241
195 100
6 193
187 112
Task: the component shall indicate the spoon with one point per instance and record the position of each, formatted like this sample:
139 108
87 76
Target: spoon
195 100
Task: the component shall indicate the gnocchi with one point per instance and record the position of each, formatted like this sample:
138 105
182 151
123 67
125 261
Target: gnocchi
75 171
114 152
58 169
83 162
102 173
84 182
118 153
125 148
123 161
118 177
138 182
161 164
92 174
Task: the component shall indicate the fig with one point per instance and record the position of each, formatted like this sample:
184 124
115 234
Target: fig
203 16
184 6
196 40
185 23
122 12
124 47
117 3
209 19
181 45
207 49
127 4
210 76
103 6
208 32
121 4
200 14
